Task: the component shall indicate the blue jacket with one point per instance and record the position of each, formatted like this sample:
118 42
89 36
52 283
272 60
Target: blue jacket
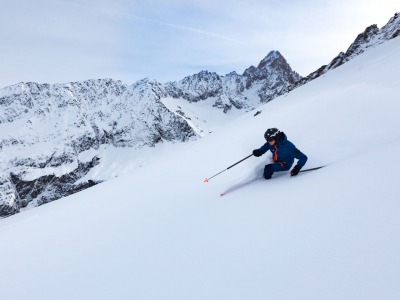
284 152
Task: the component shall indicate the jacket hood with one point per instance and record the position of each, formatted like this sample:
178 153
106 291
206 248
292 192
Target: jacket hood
282 139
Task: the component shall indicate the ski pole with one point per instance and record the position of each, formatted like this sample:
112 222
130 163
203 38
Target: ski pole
207 179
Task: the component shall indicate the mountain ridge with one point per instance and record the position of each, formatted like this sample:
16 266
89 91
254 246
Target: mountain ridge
370 37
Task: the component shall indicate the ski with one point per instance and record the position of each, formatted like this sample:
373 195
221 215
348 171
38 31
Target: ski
311 169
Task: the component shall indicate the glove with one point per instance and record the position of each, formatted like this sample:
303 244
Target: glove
257 152
295 170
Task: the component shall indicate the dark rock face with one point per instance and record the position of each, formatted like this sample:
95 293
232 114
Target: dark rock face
50 187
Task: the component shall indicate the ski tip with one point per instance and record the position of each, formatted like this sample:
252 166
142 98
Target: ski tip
222 194
206 180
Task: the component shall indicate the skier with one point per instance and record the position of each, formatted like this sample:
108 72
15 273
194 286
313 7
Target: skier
284 153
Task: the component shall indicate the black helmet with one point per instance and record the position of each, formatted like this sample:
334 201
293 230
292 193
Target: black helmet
272 134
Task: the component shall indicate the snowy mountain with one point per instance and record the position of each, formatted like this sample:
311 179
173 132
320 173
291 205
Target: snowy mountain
160 232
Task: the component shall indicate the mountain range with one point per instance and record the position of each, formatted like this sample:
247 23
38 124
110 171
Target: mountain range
55 137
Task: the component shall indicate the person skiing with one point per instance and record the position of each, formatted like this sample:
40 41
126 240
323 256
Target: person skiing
283 151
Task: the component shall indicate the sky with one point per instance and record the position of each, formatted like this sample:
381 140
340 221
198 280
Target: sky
57 41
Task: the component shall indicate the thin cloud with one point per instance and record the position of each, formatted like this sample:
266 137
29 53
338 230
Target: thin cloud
187 28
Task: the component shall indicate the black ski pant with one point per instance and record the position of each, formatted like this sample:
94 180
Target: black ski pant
275 167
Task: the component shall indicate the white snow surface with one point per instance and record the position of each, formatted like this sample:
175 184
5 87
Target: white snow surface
160 232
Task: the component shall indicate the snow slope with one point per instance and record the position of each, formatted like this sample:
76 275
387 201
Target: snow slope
162 233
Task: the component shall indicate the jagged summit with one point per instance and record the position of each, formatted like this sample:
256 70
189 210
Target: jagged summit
275 71
272 57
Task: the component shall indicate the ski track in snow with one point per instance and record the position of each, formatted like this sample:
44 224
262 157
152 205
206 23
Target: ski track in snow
240 185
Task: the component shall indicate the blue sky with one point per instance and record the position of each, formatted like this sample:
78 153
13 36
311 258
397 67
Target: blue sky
56 41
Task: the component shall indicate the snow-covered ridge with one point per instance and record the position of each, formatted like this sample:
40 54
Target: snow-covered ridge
371 37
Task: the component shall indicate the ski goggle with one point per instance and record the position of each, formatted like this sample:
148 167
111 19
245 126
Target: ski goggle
269 138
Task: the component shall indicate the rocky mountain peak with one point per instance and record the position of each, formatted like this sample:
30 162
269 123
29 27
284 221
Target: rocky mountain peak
274 71
274 57
274 62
